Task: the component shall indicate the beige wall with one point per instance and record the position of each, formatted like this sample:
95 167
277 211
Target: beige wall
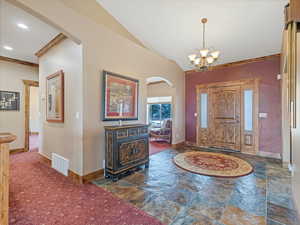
11 76
103 49
160 89
296 138
34 110
64 139
97 13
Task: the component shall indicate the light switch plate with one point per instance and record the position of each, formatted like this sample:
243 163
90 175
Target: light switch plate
263 115
278 76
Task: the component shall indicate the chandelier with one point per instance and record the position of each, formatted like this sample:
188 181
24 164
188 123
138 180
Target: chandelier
205 57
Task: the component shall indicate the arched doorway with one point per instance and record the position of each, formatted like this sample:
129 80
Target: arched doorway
160 97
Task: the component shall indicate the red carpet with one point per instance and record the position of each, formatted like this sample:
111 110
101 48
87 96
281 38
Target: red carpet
156 147
39 195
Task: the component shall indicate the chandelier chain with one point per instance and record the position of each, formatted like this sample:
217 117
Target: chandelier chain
203 35
203 59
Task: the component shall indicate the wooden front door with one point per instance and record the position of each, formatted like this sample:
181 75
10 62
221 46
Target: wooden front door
227 115
225 110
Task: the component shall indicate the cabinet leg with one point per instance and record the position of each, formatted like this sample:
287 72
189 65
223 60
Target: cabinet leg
107 175
115 178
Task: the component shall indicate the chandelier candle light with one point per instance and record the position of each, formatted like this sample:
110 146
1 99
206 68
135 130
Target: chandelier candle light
205 58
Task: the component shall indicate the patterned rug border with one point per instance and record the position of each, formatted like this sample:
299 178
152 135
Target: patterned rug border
210 175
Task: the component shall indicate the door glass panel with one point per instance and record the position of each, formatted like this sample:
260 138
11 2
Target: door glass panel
248 109
203 110
165 111
158 113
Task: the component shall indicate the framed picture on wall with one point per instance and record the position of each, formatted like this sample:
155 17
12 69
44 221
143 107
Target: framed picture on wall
9 101
120 97
55 97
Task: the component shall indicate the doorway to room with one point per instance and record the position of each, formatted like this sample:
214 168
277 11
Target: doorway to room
159 118
32 117
160 113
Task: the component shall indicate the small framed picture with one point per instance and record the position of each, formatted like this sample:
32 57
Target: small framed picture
120 98
9 101
55 97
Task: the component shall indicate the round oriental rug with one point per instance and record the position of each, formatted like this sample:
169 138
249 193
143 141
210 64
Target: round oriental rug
213 164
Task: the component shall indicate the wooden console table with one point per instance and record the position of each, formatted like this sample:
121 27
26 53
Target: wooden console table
127 147
5 139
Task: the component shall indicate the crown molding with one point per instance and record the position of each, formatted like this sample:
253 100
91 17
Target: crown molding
55 41
157 82
238 63
18 61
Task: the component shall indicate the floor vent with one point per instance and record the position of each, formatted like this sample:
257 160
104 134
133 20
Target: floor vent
60 164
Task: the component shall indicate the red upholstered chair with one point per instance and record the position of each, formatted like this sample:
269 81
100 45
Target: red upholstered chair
164 133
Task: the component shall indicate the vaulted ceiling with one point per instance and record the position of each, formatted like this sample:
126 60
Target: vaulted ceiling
240 29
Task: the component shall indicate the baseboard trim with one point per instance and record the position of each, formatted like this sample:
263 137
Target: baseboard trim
75 177
269 155
86 178
178 145
17 150
193 144
93 176
45 158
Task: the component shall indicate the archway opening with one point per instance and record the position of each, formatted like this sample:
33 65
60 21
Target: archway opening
159 113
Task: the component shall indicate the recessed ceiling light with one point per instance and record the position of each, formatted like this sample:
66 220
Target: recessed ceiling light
23 26
6 47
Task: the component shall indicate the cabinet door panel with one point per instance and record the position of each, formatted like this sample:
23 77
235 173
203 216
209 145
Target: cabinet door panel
132 151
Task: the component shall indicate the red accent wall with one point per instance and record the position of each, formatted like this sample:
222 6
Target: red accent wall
269 98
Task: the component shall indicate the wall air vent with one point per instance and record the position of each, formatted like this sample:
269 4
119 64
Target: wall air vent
60 164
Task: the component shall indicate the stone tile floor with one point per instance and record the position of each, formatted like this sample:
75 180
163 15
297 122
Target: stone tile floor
178 197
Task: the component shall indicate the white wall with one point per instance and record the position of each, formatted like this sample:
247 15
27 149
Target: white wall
65 138
34 122
160 89
105 50
11 79
296 138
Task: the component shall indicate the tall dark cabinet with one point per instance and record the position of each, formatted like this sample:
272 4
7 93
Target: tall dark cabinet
127 147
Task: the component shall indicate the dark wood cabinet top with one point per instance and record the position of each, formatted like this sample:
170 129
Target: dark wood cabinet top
125 126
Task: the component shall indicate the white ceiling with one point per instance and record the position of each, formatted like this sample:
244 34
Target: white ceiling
240 29
24 42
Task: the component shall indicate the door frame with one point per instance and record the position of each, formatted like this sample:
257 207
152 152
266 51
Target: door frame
27 85
245 84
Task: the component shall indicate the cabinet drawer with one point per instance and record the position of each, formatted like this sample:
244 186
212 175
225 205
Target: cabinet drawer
143 130
133 132
132 151
123 133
